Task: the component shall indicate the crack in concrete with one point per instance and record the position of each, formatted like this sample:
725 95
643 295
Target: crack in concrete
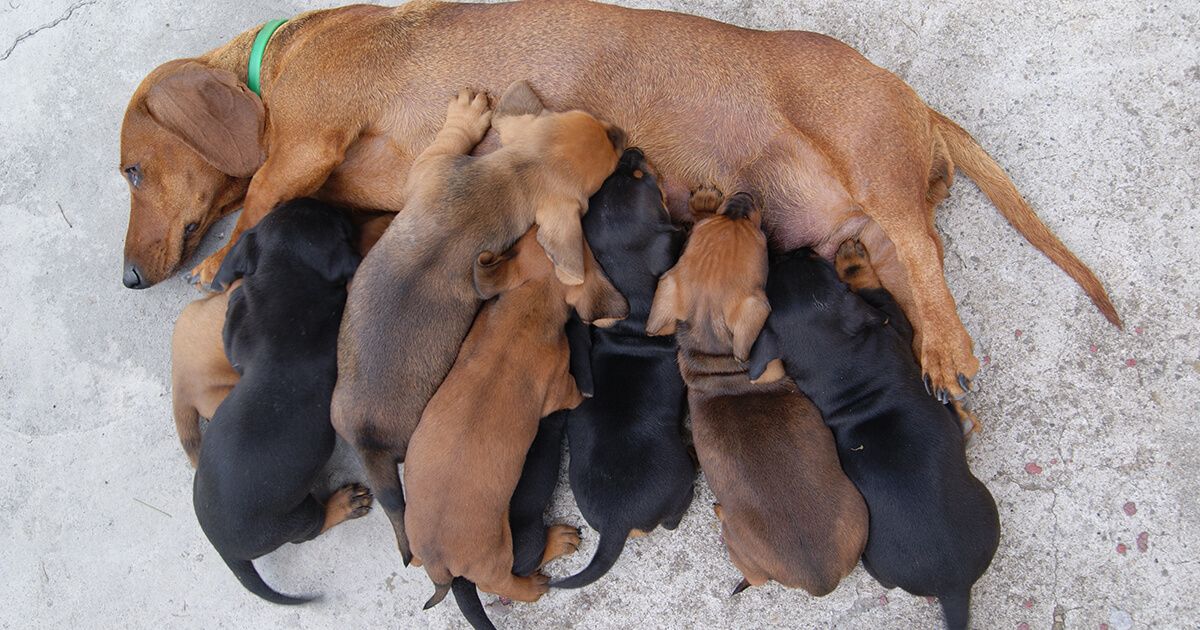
30 33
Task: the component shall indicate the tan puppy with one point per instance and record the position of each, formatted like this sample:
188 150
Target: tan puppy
201 376
466 454
413 299
787 511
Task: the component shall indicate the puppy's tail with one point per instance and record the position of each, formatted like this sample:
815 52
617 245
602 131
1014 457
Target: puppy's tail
957 609
245 572
968 156
467 597
608 550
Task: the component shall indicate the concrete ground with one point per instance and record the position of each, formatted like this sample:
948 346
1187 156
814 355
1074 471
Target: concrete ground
1093 107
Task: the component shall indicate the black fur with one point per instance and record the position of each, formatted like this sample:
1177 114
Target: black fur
271 437
933 526
630 467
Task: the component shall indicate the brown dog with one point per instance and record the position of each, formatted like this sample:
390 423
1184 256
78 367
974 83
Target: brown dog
201 376
788 513
466 455
832 145
413 299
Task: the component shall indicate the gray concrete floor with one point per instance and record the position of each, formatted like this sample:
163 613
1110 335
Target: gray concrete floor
1087 445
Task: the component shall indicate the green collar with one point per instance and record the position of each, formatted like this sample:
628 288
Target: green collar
254 68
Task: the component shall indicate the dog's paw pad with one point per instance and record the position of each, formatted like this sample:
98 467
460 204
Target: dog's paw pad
705 199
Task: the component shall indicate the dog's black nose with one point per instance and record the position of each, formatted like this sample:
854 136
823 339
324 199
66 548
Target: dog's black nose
133 277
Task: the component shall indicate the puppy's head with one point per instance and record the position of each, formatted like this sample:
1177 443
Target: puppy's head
717 287
190 141
298 236
595 299
574 152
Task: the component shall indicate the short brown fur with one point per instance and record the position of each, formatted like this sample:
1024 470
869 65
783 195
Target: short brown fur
787 511
201 376
467 453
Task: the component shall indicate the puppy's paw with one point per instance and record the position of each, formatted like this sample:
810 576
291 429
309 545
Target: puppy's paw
470 112
854 266
705 200
349 502
202 275
561 540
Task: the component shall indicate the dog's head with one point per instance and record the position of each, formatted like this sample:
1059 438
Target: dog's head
190 142
299 236
717 287
574 153
630 231
595 299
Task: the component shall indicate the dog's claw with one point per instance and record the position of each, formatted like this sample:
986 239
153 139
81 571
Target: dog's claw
928 384
964 383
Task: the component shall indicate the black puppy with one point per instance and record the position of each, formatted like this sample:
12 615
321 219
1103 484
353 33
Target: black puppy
933 526
630 468
271 437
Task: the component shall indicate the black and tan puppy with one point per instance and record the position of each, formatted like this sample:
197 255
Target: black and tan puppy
630 468
788 513
414 301
934 526
271 436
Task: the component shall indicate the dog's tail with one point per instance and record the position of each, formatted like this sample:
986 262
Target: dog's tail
467 597
611 544
956 608
245 572
969 157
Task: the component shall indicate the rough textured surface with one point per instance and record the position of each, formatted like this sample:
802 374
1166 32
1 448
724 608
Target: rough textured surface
1087 443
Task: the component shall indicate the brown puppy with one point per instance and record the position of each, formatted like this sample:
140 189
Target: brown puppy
201 376
831 144
466 455
787 511
413 299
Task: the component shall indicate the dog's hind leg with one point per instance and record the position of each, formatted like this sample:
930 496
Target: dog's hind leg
349 502
384 476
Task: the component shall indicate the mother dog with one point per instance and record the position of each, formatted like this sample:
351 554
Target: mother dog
833 146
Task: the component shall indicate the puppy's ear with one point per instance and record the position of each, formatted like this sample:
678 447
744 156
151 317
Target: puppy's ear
561 235
519 100
241 261
666 309
579 340
563 394
214 114
342 265
765 365
494 275
596 300
858 315
745 320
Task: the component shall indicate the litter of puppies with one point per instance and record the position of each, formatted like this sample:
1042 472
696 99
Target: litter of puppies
542 288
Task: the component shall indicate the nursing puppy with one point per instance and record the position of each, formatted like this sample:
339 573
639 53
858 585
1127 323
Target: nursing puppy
934 526
467 452
788 513
413 299
630 469
271 436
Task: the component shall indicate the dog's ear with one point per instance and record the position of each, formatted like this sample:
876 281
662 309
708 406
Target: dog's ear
342 265
519 100
597 301
214 113
561 235
494 274
241 261
745 320
666 309
765 364
579 340
858 315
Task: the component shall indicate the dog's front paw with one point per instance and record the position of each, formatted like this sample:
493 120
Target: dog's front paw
705 200
470 112
947 362
854 266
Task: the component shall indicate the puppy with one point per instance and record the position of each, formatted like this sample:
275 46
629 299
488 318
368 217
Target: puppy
201 376
413 300
630 469
934 526
468 450
787 511
268 440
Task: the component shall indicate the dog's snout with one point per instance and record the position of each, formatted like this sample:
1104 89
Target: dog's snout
133 277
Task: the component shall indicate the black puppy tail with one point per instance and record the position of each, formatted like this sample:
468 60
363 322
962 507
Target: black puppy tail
467 597
956 607
609 549
245 572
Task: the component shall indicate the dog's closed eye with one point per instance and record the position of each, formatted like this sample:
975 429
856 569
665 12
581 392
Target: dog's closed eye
133 173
